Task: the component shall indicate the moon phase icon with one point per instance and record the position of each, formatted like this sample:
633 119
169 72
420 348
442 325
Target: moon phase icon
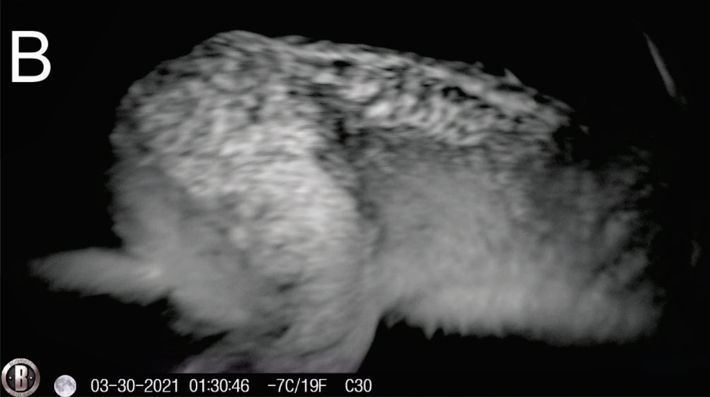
65 386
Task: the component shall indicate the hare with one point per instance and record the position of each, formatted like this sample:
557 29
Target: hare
290 194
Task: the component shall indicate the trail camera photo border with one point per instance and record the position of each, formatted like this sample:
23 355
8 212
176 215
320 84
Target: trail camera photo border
591 102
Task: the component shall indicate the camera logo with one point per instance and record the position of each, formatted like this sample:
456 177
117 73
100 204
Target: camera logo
20 377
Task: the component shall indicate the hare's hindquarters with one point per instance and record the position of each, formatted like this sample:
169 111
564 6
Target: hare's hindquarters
285 284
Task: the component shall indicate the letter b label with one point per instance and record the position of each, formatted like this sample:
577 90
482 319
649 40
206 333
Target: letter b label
20 378
37 55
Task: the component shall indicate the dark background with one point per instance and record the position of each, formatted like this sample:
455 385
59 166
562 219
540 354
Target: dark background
55 156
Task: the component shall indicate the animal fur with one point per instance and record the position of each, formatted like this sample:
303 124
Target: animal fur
289 195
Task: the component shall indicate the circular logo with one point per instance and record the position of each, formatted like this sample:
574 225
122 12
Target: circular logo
20 377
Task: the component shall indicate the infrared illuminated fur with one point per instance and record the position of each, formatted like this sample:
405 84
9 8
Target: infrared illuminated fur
291 194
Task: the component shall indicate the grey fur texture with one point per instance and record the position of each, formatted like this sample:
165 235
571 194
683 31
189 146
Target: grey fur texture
291 194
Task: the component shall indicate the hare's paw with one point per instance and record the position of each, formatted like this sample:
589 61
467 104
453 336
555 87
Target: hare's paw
97 271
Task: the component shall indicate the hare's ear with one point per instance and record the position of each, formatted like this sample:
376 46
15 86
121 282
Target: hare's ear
97 271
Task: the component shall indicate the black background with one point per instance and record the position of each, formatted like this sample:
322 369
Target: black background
55 156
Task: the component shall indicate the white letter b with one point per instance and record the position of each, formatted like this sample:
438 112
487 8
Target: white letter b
17 55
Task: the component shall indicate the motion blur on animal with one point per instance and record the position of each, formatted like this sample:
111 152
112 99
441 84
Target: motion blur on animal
288 195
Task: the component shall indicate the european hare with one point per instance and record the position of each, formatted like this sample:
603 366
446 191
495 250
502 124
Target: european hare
289 194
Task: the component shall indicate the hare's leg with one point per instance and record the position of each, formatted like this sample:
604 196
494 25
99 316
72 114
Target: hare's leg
308 248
